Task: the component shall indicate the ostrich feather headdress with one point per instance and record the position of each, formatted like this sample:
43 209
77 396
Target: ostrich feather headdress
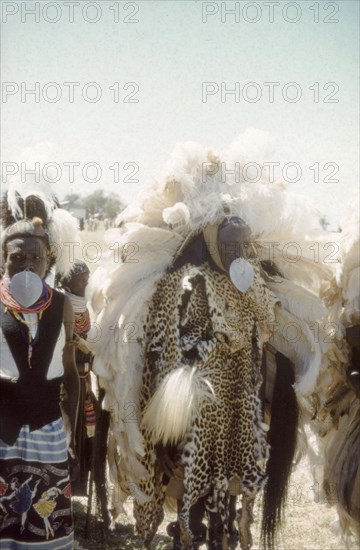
24 202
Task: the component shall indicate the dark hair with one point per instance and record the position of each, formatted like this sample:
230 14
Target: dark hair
78 267
31 207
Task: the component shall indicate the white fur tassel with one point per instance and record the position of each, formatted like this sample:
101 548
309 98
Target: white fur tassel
169 414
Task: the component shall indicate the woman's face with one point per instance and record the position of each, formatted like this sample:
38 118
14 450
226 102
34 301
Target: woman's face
26 253
78 284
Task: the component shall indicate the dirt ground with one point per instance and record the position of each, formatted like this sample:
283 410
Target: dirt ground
309 525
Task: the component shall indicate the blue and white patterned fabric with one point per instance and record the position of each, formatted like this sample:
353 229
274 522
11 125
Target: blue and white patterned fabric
35 491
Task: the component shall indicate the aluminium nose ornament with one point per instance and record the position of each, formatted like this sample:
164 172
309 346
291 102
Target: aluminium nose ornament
26 287
241 274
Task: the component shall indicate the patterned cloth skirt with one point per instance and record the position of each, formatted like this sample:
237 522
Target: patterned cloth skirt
35 491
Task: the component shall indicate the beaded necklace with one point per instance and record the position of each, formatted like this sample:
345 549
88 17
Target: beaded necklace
17 310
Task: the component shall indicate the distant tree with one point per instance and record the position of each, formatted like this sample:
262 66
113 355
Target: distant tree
95 202
108 205
113 206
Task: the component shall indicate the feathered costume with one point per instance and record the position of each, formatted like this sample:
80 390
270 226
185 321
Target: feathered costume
334 407
151 315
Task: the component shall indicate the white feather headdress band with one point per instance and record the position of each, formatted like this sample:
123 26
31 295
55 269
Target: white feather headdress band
60 226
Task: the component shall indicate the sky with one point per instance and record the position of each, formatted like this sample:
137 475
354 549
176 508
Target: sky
98 94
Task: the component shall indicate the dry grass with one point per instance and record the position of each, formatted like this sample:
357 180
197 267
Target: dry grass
308 525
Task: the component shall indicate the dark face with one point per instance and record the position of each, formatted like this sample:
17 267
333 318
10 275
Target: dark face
26 253
78 283
234 241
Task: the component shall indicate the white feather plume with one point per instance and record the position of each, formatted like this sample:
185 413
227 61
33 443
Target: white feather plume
64 236
179 213
26 189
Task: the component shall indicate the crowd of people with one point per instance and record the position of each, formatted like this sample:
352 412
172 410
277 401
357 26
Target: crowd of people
93 223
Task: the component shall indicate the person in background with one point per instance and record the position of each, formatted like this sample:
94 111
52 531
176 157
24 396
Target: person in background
74 286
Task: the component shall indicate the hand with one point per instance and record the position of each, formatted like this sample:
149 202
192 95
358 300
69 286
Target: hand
63 393
74 466
81 344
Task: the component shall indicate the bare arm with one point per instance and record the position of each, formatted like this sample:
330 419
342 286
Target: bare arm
69 405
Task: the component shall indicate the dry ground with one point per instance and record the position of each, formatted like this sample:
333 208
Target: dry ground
310 525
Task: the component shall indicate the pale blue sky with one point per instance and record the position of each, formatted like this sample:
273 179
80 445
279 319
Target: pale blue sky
169 53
